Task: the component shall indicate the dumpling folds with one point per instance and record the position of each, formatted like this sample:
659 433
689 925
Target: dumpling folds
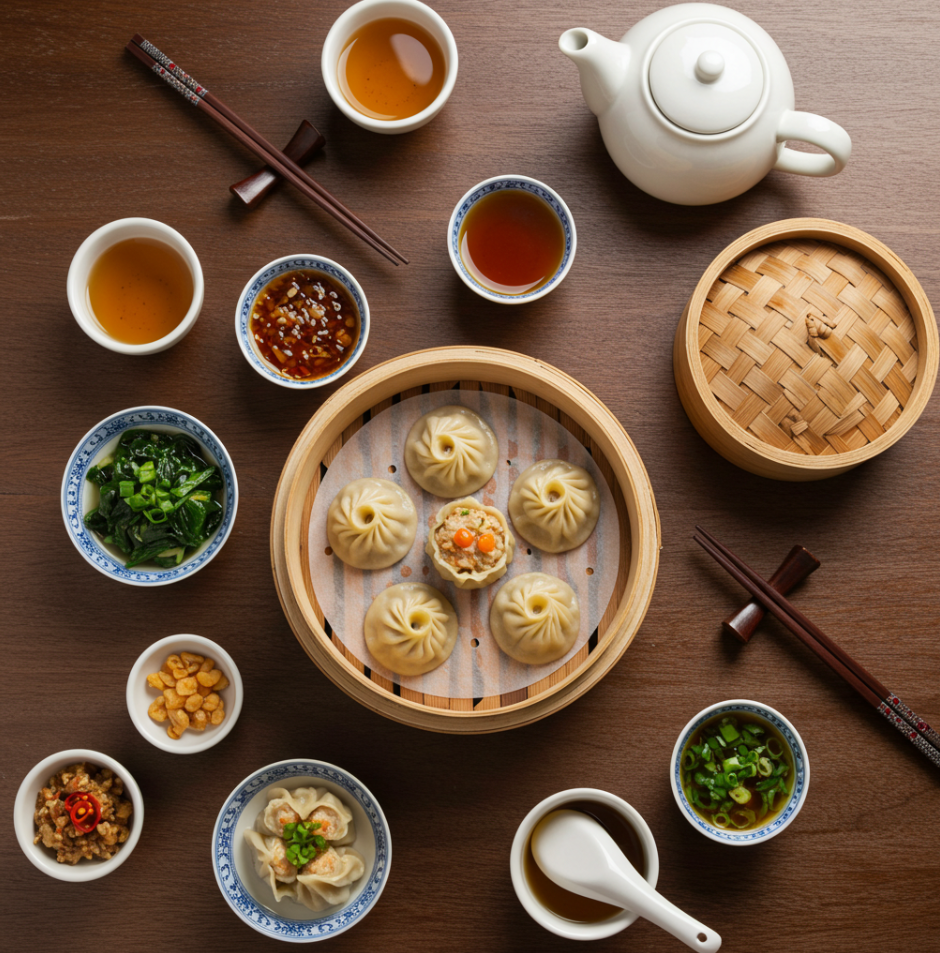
327 880
411 628
535 618
307 804
451 451
272 865
371 523
554 505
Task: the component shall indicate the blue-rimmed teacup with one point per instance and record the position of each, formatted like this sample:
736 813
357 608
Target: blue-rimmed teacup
264 277
520 183
79 496
251 898
779 820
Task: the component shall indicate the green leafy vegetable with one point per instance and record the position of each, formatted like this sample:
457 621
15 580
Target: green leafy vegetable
303 843
156 498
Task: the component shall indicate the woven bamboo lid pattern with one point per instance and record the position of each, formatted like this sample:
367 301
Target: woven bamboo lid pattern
809 347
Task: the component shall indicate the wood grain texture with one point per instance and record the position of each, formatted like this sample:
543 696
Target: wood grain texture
87 136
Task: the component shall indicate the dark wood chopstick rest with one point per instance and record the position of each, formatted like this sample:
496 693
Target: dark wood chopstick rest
800 562
306 141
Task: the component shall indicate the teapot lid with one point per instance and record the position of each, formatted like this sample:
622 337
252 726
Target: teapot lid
706 77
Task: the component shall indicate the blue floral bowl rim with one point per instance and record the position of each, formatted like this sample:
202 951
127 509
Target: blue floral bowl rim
460 268
800 764
334 923
83 457
250 292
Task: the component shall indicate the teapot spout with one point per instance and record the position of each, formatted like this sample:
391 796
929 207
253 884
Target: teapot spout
602 64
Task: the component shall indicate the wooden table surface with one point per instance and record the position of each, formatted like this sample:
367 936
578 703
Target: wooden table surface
88 136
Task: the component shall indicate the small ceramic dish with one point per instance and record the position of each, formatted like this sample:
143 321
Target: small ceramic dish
91 250
257 284
140 695
25 807
365 12
251 898
79 496
525 184
561 926
800 763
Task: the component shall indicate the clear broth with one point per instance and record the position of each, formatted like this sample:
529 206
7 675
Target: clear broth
571 906
511 242
139 290
391 69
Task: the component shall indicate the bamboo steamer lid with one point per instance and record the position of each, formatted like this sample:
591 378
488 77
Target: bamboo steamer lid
806 348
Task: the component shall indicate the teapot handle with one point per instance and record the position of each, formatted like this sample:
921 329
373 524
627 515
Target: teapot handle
808 127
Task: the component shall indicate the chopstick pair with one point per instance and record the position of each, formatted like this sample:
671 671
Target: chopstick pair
200 97
915 729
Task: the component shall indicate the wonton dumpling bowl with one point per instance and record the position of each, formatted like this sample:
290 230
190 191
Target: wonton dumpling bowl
251 898
465 370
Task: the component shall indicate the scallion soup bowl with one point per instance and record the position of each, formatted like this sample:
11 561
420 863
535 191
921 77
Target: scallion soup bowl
79 495
778 821
251 899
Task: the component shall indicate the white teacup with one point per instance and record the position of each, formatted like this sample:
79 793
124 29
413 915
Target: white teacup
365 12
97 243
535 908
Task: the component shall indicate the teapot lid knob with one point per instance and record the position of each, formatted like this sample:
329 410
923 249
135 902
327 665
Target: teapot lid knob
709 66
706 76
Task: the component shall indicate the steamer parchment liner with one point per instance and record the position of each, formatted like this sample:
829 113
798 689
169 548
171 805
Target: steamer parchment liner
525 435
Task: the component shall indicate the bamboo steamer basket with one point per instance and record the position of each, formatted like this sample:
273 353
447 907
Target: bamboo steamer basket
526 379
807 348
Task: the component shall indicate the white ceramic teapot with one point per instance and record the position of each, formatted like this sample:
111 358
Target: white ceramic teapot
696 102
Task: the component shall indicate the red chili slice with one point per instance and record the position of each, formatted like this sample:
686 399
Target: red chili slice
84 810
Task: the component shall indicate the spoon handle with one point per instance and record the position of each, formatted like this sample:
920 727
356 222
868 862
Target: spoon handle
654 907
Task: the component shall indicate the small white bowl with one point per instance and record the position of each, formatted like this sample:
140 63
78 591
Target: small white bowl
541 914
140 696
251 898
25 806
78 495
522 183
800 764
256 285
91 250
364 12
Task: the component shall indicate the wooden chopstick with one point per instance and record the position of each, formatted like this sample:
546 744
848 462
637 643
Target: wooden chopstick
200 97
915 729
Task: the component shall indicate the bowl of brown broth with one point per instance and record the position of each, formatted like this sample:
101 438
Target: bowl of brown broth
135 286
739 772
389 65
511 239
558 910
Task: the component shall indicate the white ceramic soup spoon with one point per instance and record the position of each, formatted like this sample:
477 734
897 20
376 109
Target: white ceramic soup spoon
575 852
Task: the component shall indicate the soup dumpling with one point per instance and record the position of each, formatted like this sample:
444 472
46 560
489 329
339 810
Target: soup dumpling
470 543
451 451
554 505
371 523
411 628
535 618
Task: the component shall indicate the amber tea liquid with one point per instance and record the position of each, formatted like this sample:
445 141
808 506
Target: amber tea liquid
511 242
139 290
572 906
391 69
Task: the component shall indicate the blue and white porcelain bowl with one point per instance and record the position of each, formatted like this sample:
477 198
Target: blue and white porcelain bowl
525 184
251 897
257 284
79 495
800 784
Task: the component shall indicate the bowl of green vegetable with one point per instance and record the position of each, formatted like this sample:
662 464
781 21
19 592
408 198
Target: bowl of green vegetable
149 496
740 772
